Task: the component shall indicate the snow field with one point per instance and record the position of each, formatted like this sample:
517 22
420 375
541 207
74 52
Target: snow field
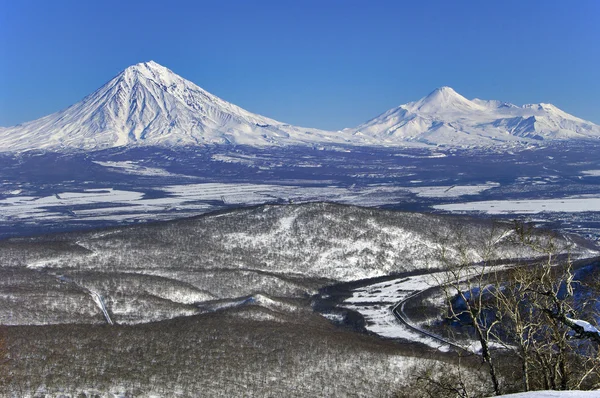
533 206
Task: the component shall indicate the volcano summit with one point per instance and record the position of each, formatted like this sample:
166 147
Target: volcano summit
147 104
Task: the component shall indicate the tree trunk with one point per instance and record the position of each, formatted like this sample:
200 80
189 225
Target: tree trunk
487 358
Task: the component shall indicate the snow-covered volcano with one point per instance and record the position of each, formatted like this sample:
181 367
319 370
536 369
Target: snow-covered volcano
148 104
445 117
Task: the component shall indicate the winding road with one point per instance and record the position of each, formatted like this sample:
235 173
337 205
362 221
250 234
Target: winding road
398 311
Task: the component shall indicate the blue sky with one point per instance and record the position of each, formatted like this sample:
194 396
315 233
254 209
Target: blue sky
326 64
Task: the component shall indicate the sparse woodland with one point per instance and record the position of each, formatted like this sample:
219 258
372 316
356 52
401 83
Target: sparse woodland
221 306
534 322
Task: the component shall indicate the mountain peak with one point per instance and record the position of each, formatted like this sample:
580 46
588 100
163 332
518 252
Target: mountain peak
443 99
150 70
148 104
444 94
445 90
148 65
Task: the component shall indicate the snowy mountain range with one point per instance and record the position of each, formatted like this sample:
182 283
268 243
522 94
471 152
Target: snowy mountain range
445 117
148 104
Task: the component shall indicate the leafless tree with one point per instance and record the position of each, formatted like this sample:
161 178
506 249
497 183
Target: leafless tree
466 265
542 319
4 358
528 309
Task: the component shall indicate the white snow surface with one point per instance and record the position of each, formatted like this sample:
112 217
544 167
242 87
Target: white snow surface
526 206
190 199
131 167
587 327
374 303
554 394
446 118
453 191
148 104
591 173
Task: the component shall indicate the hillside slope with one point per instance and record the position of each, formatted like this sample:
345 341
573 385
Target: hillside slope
259 255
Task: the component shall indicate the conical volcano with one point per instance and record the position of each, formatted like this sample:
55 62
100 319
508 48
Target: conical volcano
148 104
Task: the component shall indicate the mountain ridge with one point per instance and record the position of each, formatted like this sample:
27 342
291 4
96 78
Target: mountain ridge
148 104
445 117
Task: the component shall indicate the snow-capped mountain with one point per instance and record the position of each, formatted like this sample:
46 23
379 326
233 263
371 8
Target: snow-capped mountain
148 104
445 117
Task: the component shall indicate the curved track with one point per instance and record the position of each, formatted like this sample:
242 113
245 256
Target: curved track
398 312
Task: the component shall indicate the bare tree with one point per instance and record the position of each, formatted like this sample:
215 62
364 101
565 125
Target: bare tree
464 282
4 358
435 379
526 310
555 345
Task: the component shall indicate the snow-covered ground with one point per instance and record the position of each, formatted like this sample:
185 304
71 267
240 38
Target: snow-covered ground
374 302
115 204
525 206
453 191
131 167
591 173
554 394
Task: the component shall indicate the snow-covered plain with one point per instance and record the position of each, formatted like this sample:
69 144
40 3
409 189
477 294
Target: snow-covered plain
187 199
591 173
131 167
533 206
453 191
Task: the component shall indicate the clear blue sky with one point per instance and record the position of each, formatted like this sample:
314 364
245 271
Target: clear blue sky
326 64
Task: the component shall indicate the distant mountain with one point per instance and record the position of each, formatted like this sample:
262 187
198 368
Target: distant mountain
445 117
148 104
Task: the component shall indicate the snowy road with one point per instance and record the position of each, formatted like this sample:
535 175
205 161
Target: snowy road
378 304
398 311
